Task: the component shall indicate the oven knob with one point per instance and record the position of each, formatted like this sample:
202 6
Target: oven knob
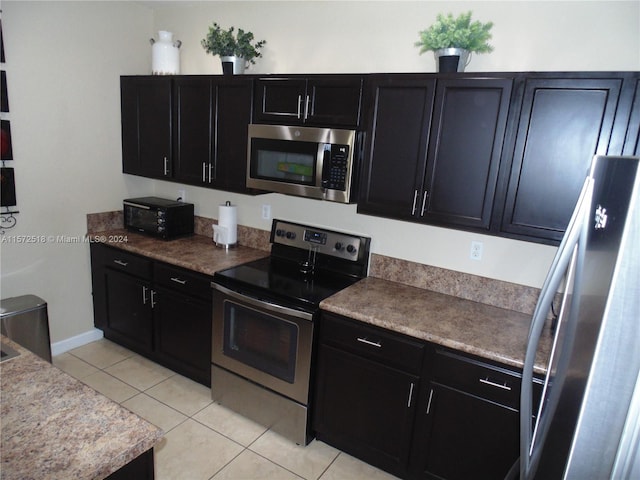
291 235
351 249
338 246
279 233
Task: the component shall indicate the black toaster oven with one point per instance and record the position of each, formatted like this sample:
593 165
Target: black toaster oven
159 217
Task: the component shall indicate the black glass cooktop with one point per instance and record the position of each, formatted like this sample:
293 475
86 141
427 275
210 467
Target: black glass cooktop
283 282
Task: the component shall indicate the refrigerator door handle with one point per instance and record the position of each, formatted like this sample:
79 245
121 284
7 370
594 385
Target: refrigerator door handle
566 251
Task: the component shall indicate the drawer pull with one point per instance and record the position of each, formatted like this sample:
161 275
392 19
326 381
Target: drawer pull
121 263
486 381
369 342
177 280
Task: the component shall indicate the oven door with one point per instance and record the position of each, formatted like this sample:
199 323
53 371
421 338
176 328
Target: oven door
269 344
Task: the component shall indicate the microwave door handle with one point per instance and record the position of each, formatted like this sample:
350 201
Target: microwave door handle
325 155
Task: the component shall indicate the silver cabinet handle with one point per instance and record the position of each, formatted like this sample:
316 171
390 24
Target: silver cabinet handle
415 199
486 381
144 295
429 401
177 280
299 106
210 168
410 396
153 298
369 342
204 169
424 202
306 108
121 263
166 167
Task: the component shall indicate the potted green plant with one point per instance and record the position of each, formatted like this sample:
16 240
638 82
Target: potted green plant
452 40
236 50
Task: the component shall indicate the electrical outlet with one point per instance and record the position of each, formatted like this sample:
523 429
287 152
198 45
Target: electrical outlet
476 251
266 212
182 195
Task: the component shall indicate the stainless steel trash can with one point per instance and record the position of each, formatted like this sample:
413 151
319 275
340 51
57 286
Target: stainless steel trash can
24 320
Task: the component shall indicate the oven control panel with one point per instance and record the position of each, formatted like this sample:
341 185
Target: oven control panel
336 244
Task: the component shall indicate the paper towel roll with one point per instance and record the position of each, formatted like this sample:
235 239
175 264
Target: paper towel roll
228 219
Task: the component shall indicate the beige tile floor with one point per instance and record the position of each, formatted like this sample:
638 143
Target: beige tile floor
203 440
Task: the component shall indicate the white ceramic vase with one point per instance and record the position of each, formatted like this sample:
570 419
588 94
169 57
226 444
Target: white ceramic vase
165 54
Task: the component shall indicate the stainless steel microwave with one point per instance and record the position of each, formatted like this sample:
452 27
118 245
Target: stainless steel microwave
159 217
304 161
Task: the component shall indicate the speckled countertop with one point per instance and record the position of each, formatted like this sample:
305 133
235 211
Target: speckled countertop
195 252
489 332
55 427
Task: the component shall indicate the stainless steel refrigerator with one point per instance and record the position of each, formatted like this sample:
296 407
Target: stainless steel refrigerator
588 423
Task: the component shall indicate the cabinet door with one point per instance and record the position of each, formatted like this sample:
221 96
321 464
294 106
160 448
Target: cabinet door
280 100
333 101
146 126
194 108
632 139
396 149
461 436
562 124
325 101
234 103
364 408
129 311
470 118
182 330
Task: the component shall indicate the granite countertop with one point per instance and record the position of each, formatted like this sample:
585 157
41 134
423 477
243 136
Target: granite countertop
54 426
489 332
195 252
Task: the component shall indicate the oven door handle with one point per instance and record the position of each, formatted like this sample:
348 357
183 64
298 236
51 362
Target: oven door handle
268 306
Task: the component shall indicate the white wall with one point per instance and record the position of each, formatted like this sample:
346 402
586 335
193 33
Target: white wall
63 64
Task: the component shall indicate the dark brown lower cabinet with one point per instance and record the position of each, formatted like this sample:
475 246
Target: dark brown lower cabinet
129 314
412 408
365 408
157 310
140 468
463 437
366 391
182 332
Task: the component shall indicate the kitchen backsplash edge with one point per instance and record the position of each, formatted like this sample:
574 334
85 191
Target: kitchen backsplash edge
497 293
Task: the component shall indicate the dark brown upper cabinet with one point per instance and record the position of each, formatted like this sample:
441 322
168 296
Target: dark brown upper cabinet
146 125
434 149
187 129
563 122
212 115
325 101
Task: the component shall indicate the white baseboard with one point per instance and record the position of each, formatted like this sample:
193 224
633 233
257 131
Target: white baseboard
75 342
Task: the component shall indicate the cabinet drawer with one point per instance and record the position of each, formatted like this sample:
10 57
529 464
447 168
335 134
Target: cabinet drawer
483 380
181 280
374 343
127 262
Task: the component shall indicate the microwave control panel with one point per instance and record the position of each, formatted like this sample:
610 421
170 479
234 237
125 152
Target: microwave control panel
336 168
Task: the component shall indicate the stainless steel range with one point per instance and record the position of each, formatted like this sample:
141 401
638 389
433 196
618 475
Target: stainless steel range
264 315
